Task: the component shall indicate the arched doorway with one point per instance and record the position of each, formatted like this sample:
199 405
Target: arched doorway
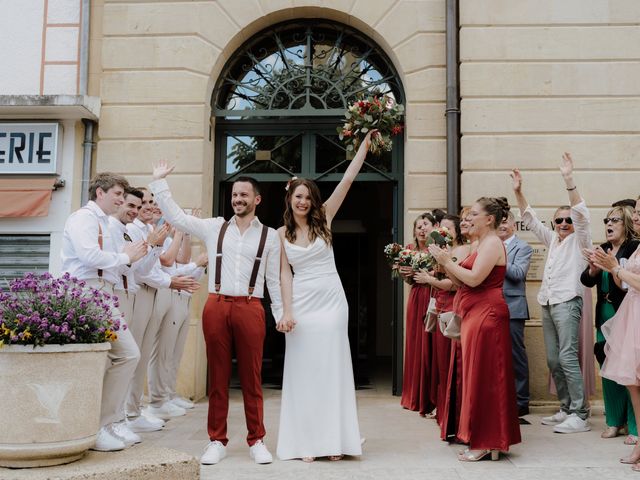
276 107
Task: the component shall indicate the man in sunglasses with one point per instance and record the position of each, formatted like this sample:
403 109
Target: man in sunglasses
560 296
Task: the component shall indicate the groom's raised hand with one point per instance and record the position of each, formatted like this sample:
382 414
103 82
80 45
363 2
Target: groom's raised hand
162 169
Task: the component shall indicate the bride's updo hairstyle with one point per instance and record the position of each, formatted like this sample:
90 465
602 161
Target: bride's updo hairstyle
317 218
496 206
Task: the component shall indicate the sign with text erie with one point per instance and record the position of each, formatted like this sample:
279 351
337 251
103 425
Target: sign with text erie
28 148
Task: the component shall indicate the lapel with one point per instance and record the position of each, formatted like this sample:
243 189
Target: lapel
512 245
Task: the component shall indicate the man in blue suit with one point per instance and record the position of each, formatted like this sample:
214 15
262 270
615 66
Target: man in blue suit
518 258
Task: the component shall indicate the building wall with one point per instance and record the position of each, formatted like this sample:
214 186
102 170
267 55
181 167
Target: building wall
41 44
538 78
158 64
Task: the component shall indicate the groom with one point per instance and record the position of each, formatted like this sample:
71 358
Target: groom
245 253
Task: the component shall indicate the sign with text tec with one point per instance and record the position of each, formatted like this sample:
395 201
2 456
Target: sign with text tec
28 148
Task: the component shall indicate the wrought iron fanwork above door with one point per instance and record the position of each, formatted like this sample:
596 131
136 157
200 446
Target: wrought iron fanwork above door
303 68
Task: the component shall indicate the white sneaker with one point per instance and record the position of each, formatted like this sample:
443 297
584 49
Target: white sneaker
214 452
153 419
107 441
183 403
258 451
143 423
166 411
555 419
121 430
573 424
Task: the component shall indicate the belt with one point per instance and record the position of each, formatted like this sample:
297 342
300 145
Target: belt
231 298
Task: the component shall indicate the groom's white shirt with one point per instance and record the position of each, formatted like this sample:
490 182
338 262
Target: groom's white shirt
239 250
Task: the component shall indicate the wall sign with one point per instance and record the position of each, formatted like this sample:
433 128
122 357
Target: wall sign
28 148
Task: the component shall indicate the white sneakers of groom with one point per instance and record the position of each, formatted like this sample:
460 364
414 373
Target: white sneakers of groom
214 452
258 451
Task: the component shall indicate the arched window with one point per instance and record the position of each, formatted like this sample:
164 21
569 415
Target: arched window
303 68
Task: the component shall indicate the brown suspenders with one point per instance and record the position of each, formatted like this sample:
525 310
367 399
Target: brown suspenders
256 263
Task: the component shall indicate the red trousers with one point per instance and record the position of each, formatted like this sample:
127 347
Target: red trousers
234 323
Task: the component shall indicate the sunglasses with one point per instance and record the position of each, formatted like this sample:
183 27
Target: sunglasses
612 220
559 220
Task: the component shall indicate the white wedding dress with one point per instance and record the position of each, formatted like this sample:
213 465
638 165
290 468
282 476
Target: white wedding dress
318 415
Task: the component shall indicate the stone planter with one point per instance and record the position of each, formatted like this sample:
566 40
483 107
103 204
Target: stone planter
50 398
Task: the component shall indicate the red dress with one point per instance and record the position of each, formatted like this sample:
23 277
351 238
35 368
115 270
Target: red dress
441 354
489 417
416 347
449 416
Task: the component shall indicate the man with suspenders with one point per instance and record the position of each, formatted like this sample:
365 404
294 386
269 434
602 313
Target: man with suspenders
246 254
90 253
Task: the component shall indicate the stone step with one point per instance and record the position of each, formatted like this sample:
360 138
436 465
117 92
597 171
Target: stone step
136 463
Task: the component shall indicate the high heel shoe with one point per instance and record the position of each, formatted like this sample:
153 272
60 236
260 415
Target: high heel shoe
611 432
308 459
476 455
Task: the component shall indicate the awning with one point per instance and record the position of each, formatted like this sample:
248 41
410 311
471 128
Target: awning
25 197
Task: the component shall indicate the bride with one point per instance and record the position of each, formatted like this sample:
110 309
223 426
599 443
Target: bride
318 416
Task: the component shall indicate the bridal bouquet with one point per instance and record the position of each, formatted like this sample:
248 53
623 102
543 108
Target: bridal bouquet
373 112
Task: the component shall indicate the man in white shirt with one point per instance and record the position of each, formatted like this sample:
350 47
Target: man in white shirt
153 300
561 297
233 315
90 253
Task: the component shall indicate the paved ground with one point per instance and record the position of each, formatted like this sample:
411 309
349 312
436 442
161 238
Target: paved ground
402 445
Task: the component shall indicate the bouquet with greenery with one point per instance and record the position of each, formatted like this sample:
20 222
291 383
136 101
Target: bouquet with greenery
405 257
374 112
41 309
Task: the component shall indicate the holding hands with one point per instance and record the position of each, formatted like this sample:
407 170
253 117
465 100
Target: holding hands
286 323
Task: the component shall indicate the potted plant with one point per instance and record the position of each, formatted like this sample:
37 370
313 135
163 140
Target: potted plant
54 338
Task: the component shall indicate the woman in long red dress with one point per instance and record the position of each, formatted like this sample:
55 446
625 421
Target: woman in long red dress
416 346
449 418
444 291
489 417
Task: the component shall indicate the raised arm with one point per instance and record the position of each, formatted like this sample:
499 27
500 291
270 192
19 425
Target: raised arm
333 203
199 227
566 168
527 214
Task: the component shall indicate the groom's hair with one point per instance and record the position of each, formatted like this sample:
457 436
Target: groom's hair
254 183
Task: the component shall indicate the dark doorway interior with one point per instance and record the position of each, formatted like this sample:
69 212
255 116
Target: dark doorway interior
361 229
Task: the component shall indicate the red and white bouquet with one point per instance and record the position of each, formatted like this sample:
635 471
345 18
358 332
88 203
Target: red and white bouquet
391 252
441 236
405 257
373 112
422 261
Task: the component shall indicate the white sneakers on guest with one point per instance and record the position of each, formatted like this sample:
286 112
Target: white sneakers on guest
106 441
555 419
214 452
182 403
258 451
122 431
143 423
573 424
166 411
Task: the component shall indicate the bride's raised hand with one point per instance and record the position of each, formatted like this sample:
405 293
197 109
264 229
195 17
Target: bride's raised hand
366 141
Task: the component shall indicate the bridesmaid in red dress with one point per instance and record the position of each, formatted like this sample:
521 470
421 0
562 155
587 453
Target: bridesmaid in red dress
443 290
452 405
489 417
412 381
